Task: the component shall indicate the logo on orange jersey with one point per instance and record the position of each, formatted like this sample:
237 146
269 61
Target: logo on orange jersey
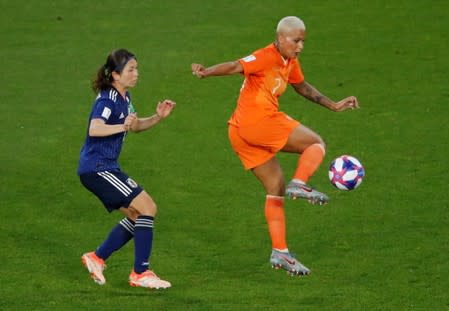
249 58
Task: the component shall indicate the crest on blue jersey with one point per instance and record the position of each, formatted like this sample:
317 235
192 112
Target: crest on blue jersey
131 183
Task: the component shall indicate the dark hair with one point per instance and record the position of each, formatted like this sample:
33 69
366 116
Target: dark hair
115 61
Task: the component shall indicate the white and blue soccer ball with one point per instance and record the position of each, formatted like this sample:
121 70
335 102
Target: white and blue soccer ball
346 172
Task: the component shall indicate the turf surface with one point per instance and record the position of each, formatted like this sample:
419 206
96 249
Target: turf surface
384 246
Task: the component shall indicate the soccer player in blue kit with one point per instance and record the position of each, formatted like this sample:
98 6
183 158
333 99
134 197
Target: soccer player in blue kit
112 117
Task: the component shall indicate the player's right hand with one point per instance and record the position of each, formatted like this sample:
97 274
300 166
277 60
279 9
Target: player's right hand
198 70
164 108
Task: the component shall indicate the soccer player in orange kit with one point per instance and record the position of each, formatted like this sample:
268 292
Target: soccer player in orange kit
258 130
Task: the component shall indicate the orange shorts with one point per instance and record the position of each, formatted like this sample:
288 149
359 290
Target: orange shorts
258 143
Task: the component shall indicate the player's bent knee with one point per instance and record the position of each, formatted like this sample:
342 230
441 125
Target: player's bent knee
144 205
322 145
129 213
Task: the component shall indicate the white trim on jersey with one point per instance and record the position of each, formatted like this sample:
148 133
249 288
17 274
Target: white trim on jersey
113 95
117 183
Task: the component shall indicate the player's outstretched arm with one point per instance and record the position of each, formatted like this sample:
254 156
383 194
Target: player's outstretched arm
311 93
222 69
163 110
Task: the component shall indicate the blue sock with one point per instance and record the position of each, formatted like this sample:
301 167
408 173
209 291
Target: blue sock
143 242
118 237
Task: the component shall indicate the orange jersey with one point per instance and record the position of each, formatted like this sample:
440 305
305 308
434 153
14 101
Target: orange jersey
267 74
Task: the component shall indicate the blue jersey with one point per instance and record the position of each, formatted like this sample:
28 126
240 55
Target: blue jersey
101 153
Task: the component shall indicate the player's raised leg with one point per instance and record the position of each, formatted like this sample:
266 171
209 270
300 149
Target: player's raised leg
312 149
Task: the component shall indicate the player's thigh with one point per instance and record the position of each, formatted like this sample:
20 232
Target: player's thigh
301 138
143 205
249 154
271 176
115 189
271 132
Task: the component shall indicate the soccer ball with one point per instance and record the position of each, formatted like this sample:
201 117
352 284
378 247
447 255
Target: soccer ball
346 172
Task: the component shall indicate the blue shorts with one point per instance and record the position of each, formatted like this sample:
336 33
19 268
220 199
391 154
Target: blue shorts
114 188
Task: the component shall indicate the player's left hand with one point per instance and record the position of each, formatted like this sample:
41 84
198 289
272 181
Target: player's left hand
164 108
347 103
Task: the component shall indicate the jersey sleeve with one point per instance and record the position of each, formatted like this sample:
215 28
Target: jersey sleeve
296 75
103 109
255 62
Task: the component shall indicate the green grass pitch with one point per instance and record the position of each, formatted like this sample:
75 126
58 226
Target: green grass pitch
384 246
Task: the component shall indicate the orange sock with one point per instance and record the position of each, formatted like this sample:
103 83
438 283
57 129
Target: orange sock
274 213
309 161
